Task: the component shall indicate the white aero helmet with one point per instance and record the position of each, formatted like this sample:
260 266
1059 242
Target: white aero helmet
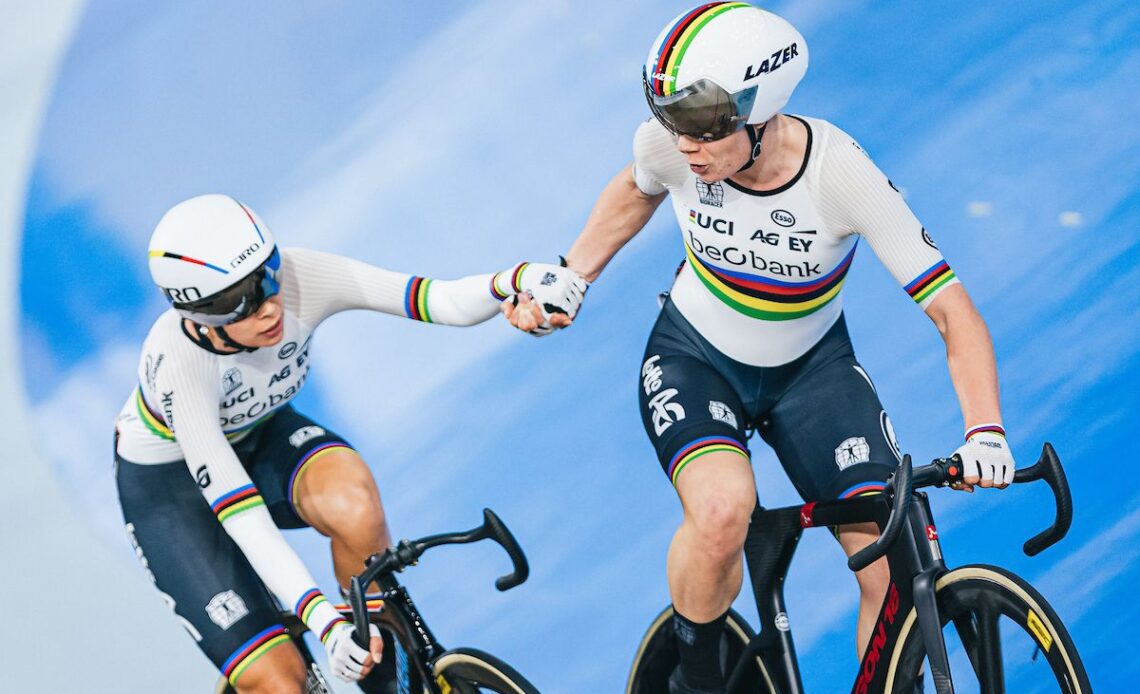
720 66
214 259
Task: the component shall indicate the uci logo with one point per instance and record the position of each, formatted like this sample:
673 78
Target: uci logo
783 218
182 295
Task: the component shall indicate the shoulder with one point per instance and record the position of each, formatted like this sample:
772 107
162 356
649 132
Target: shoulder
655 155
167 346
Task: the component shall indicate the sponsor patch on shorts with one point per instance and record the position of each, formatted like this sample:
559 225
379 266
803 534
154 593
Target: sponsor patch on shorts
226 608
851 452
299 437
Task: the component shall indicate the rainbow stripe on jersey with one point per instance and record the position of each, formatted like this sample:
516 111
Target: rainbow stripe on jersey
929 281
702 446
663 71
766 298
251 650
157 425
514 279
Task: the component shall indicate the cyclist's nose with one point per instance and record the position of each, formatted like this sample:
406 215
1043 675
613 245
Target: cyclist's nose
687 145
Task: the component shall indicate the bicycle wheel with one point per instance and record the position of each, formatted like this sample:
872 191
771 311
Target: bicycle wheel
1004 637
657 656
469 671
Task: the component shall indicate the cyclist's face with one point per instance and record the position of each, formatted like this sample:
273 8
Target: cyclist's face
264 328
716 160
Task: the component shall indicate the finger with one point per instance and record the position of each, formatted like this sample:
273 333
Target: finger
376 646
1000 477
1009 470
987 476
506 308
560 320
970 473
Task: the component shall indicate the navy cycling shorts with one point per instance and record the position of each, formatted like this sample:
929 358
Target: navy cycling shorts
201 572
819 413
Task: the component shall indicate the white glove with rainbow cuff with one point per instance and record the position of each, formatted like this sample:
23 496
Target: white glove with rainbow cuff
986 457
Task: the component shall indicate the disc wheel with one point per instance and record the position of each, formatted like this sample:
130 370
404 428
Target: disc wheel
469 671
1001 636
657 655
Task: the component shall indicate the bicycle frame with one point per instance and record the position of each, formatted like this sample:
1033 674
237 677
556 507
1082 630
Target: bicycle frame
914 559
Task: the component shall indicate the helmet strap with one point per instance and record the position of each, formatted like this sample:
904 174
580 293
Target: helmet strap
200 336
755 134
230 342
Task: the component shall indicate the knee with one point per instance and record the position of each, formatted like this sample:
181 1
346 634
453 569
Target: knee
873 580
720 519
353 508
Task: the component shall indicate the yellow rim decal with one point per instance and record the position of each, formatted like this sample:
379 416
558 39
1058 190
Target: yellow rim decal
1038 628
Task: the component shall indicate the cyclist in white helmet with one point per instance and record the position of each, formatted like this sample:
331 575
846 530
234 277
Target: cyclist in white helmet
752 337
212 458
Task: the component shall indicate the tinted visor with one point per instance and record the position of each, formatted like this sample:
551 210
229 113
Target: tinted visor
238 301
703 110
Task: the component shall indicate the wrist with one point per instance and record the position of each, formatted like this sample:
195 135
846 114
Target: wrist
318 614
507 282
985 428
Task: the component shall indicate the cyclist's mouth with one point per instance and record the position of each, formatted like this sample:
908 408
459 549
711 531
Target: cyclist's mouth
274 331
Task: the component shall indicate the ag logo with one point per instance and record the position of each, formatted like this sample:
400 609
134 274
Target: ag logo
287 350
711 194
231 380
783 218
928 239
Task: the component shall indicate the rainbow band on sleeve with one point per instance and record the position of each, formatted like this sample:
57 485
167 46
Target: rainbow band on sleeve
308 603
863 489
514 283
663 77
328 629
702 446
238 501
992 428
769 299
251 650
416 299
315 454
930 281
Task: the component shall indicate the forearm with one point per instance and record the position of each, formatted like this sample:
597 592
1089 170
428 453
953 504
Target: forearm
621 211
969 357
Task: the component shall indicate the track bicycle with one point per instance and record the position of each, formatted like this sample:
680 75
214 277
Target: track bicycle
996 622
414 661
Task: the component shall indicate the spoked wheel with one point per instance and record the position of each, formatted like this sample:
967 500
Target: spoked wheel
1001 636
470 671
657 656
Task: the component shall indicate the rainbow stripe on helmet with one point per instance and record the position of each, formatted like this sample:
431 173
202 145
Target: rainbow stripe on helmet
663 70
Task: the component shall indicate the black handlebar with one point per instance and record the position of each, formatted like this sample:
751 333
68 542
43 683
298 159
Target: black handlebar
406 554
948 471
1048 466
901 484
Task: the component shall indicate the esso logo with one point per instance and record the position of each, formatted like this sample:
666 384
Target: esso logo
783 218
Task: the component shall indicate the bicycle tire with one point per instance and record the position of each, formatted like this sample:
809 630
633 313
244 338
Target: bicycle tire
657 656
470 671
975 595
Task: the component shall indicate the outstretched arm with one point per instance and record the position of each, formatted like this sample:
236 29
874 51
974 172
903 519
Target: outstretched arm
621 211
320 284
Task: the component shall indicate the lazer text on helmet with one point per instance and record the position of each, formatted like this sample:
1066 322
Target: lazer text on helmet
772 63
